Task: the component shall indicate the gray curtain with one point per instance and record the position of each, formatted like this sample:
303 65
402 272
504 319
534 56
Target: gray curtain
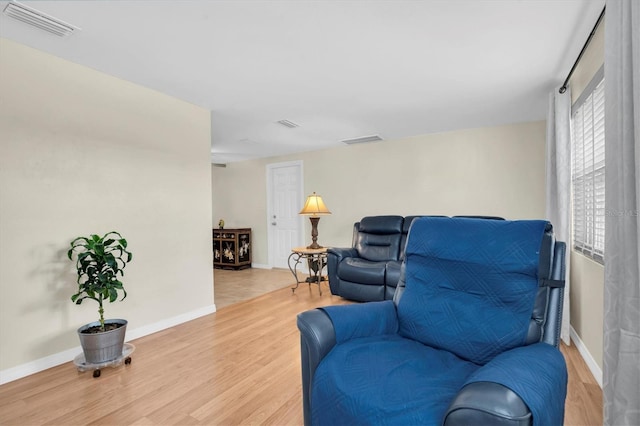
622 254
558 191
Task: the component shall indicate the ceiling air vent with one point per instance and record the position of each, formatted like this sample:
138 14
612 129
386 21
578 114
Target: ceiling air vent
223 165
363 139
287 123
39 19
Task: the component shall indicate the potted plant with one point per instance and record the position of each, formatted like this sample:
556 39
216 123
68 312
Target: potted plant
100 261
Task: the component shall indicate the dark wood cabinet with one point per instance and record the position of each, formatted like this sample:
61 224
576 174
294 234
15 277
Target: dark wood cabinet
232 248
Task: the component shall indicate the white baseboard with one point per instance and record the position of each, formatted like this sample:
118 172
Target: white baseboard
169 322
588 359
260 266
23 370
263 266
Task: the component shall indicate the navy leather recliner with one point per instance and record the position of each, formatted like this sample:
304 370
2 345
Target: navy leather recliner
470 337
370 269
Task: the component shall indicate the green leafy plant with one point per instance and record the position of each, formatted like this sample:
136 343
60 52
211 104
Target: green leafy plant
99 262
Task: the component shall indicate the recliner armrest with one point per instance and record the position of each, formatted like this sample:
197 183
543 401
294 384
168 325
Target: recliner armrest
318 335
316 330
335 255
482 403
363 320
317 338
342 252
533 376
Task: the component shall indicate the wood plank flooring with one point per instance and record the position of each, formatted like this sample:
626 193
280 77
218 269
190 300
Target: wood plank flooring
235 286
583 405
240 365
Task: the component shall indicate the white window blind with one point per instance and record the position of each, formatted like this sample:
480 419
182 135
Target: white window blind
587 174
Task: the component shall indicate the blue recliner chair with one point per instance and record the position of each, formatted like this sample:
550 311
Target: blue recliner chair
470 337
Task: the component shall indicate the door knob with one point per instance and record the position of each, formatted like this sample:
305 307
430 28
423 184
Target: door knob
273 223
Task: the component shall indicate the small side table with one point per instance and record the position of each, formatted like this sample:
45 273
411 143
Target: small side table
316 261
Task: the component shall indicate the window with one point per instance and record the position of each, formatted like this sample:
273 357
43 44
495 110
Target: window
587 173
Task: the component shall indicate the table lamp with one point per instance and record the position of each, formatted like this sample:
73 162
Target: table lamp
314 208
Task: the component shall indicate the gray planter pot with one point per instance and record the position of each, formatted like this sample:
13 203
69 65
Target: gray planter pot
102 347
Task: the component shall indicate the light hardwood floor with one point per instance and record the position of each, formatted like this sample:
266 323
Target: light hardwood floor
240 365
235 286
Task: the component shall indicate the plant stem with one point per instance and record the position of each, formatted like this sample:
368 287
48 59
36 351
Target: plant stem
101 312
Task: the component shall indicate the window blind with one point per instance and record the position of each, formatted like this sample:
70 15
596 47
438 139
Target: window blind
587 174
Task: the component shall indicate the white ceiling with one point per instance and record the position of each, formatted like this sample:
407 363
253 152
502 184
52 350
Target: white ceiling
339 69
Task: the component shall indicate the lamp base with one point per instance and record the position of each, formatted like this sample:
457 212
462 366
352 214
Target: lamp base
314 233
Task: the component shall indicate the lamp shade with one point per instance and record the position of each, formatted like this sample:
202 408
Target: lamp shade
314 206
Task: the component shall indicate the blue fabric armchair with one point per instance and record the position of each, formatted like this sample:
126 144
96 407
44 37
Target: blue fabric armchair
470 337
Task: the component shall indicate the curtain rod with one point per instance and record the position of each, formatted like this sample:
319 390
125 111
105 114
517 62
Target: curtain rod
575 64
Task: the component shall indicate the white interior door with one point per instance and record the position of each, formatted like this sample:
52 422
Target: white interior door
285 198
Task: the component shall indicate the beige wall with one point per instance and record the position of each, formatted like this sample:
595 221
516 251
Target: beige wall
587 307
587 276
82 152
491 171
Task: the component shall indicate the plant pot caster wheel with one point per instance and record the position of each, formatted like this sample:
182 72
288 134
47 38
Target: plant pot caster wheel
97 372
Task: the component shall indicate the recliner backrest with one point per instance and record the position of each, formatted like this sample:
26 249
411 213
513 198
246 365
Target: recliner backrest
467 270
406 225
377 238
546 318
